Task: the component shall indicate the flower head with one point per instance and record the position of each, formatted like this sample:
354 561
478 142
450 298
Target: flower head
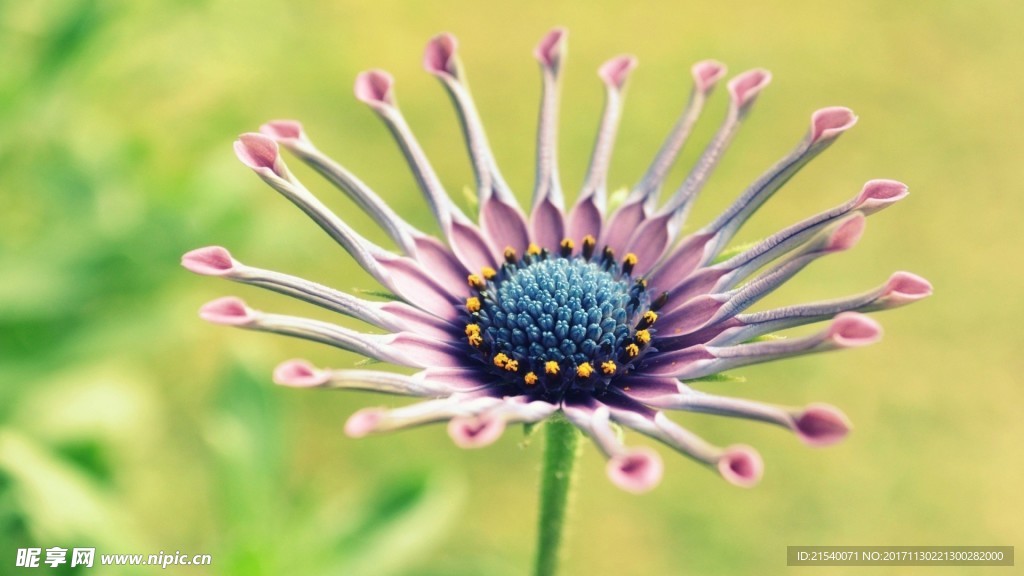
606 316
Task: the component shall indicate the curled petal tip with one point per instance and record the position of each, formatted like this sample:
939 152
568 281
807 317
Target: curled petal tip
745 87
741 465
831 122
615 72
706 74
475 431
636 471
283 130
208 261
363 422
821 425
229 310
551 49
851 329
439 58
258 152
878 193
299 374
907 287
847 234
373 87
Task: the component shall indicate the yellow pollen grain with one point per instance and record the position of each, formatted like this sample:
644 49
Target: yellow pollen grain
608 367
473 304
500 359
472 329
643 336
475 340
489 272
551 367
633 350
650 316
510 253
584 370
630 259
533 249
476 281
642 282
567 244
589 240
530 378
512 365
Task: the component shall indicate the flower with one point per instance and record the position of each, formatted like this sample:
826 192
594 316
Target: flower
605 316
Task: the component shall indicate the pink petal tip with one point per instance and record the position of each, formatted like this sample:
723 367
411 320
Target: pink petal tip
615 72
209 261
637 471
363 422
439 58
706 74
847 234
851 329
831 122
878 193
258 152
373 87
299 374
907 287
551 49
821 425
741 465
475 432
283 130
745 87
229 310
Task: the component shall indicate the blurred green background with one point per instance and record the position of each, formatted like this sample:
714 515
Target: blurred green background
128 424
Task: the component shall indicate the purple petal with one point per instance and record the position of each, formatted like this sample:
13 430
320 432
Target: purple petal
549 52
585 219
548 225
622 224
470 246
261 154
434 256
829 123
415 285
745 87
423 351
504 225
822 425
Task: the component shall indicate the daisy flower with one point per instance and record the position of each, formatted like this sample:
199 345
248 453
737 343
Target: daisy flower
602 317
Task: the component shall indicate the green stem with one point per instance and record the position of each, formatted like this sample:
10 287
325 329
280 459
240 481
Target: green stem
561 445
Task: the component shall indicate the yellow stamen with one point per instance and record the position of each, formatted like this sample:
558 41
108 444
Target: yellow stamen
567 244
476 282
533 249
643 336
500 359
608 367
489 272
589 241
642 282
472 329
650 316
551 367
475 340
584 370
530 378
630 259
512 365
633 350
473 304
510 253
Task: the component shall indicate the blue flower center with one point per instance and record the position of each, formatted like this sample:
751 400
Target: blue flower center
549 325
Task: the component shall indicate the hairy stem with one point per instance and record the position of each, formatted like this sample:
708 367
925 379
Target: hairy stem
561 445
